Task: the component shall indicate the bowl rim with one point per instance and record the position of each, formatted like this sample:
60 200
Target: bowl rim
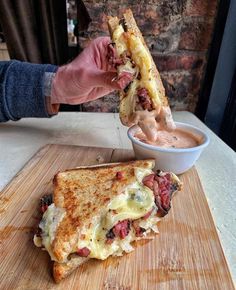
172 150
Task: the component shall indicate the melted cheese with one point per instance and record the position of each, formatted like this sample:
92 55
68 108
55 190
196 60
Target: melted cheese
119 40
134 203
127 104
143 60
49 223
128 67
121 47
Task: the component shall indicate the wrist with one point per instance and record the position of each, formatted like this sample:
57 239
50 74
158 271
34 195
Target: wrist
47 90
59 86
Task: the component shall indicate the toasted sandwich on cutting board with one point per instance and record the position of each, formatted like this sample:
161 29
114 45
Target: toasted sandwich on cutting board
98 211
144 98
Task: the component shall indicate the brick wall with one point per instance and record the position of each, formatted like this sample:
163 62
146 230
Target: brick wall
178 33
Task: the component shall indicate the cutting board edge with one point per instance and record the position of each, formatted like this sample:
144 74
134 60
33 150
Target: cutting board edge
212 220
41 151
33 159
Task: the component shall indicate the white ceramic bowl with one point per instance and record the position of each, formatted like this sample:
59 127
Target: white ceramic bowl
177 160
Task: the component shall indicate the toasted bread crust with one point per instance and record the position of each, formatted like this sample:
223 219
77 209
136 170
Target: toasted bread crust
62 270
145 163
113 22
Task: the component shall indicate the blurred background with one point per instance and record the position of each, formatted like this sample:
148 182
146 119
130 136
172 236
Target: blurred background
193 43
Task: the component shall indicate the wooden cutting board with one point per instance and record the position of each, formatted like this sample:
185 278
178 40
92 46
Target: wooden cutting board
185 255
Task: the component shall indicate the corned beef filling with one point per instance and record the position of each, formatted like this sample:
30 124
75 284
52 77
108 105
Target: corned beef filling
115 61
126 77
119 175
84 252
144 99
121 230
162 190
112 56
45 201
138 230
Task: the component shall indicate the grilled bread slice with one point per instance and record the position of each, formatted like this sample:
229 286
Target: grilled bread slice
98 211
145 96
62 270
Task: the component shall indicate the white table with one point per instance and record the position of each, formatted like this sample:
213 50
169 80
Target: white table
216 166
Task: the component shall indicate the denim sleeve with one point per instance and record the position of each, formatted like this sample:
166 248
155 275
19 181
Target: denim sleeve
21 90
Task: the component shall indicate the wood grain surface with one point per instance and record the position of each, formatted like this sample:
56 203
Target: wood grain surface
186 254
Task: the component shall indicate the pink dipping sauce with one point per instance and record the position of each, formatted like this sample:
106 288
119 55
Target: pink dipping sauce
175 139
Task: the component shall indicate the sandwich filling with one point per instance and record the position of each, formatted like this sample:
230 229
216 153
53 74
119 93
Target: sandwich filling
129 216
142 101
133 58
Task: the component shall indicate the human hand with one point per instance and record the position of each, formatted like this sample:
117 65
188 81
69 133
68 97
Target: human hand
89 76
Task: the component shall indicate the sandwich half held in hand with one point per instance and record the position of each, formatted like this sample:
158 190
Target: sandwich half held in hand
99 211
143 101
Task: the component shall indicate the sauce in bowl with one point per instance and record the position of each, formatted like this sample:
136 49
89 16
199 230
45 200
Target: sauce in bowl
177 138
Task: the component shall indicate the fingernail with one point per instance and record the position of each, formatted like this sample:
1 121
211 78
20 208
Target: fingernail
114 79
